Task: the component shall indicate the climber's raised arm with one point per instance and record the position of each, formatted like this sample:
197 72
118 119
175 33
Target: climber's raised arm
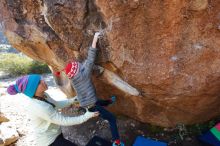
89 62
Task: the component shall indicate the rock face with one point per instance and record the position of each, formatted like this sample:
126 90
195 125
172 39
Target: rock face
2 38
167 50
3 118
1 142
8 135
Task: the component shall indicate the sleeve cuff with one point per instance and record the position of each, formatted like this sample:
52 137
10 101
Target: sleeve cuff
91 48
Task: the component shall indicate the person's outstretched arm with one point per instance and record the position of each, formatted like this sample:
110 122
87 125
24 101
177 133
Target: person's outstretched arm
48 113
89 62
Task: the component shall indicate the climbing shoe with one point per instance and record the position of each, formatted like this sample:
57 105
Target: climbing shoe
113 99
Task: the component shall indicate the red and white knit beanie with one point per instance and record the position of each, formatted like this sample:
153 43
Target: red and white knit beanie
71 69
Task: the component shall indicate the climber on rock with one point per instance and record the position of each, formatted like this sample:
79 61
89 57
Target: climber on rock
80 76
42 109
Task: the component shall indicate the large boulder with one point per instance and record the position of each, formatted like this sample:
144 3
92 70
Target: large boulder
3 118
166 50
8 134
2 143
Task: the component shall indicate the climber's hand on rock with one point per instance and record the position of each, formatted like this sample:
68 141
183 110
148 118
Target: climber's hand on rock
97 35
95 39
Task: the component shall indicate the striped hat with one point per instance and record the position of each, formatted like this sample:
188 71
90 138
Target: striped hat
26 84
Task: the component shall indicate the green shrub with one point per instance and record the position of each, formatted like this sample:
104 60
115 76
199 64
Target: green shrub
38 67
17 64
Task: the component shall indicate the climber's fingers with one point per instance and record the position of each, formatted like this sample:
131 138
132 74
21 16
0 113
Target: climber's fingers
97 35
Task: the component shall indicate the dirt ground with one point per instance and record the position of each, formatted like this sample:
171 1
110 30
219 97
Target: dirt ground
14 108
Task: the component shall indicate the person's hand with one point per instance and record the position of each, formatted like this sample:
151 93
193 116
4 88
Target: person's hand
95 114
97 35
91 114
76 104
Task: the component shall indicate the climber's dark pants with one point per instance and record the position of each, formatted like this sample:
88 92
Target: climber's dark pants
61 141
107 116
